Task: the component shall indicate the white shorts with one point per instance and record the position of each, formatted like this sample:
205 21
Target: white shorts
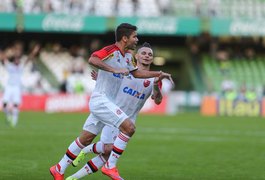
109 134
12 94
105 111
93 125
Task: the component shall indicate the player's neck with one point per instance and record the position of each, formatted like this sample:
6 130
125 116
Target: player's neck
144 67
121 46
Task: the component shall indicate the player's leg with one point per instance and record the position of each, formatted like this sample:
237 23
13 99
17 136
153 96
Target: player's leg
7 112
76 146
90 167
96 148
104 146
110 114
7 97
15 113
127 129
15 110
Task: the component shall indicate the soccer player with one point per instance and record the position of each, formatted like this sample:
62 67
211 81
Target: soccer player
131 97
12 92
114 62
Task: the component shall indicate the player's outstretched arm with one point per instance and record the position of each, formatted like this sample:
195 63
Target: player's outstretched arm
145 74
157 95
34 52
149 74
98 63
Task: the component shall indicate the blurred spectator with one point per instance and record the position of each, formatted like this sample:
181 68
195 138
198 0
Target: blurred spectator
227 85
164 6
63 85
198 6
224 62
250 53
251 94
214 7
242 92
135 5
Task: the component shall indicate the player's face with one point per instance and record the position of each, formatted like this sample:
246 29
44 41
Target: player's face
145 56
132 41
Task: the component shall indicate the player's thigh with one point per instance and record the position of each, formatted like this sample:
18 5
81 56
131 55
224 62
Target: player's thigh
93 125
109 134
16 96
7 97
107 112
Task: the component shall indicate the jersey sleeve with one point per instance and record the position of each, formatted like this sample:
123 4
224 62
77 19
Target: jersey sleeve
105 52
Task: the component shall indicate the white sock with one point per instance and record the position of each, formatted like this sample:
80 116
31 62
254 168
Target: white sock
71 153
96 148
90 167
7 111
118 147
15 116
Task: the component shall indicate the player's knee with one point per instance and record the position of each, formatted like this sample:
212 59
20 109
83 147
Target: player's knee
86 138
127 127
108 149
130 129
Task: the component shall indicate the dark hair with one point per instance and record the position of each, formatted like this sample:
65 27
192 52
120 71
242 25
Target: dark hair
146 44
124 29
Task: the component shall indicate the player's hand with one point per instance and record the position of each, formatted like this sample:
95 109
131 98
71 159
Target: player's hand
94 75
165 75
36 49
122 71
156 80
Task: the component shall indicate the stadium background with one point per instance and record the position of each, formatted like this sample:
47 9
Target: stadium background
214 50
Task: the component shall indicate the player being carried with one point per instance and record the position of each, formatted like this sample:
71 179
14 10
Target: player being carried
131 97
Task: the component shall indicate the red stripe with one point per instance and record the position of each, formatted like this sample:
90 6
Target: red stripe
58 167
69 153
105 52
94 149
93 165
117 150
122 137
102 159
79 144
110 47
160 85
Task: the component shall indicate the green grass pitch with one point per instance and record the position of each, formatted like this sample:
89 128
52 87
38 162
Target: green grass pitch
182 147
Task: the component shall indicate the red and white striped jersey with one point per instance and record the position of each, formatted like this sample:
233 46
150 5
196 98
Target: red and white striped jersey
109 83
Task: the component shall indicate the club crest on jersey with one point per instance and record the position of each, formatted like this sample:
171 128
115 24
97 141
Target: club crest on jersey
119 61
127 61
133 93
146 83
